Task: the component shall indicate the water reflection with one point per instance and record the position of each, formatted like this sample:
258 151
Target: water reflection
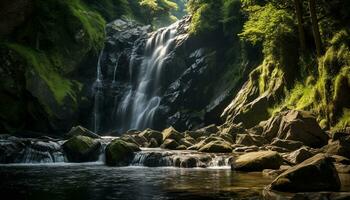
93 182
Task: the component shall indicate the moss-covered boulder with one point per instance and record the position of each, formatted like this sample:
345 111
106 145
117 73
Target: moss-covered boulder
120 153
258 161
314 174
171 133
218 146
82 149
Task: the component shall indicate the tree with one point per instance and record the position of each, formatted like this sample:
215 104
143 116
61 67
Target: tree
315 27
299 14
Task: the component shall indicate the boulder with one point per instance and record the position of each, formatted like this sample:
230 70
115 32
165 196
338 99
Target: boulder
189 162
196 134
287 144
231 129
250 139
314 174
149 133
298 126
79 130
246 149
142 141
152 143
210 129
82 149
171 133
169 144
10 150
181 147
185 142
216 147
258 161
299 155
227 137
120 153
339 147
341 168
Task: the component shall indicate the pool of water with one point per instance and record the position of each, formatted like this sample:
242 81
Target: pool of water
96 181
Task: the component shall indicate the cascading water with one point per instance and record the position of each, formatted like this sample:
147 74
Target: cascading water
98 94
139 104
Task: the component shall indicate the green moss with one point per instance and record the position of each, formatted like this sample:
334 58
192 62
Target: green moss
92 22
344 120
60 87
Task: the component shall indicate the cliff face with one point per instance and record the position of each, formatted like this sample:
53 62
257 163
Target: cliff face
203 71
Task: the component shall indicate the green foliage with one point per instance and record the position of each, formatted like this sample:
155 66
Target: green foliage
267 25
206 15
158 12
40 64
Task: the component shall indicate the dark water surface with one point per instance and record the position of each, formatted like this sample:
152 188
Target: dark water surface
95 181
73 181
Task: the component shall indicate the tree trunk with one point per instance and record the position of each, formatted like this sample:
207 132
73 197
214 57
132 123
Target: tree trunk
315 28
299 14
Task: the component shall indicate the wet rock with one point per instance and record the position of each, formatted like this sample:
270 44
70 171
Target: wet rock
216 147
298 126
186 142
339 147
79 130
149 133
10 150
250 139
171 133
169 144
142 141
314 174
120 153
287 144
210 129
277 149
227 137
231 129
181 147
275 195
299 155
258 161
82 149
341 168
246 149
189 162
152 143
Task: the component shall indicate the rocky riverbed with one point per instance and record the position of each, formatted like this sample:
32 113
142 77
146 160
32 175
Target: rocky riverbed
289 148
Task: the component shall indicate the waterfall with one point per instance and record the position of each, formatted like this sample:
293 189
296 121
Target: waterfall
139 104
98 94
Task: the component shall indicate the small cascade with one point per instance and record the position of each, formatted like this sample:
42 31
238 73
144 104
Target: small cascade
139 105
183 159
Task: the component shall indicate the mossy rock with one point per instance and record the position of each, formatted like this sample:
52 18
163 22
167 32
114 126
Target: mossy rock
169 144
149 133
120 153
171 133
82 149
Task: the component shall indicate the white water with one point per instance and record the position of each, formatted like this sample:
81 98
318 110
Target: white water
139 104
98 94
